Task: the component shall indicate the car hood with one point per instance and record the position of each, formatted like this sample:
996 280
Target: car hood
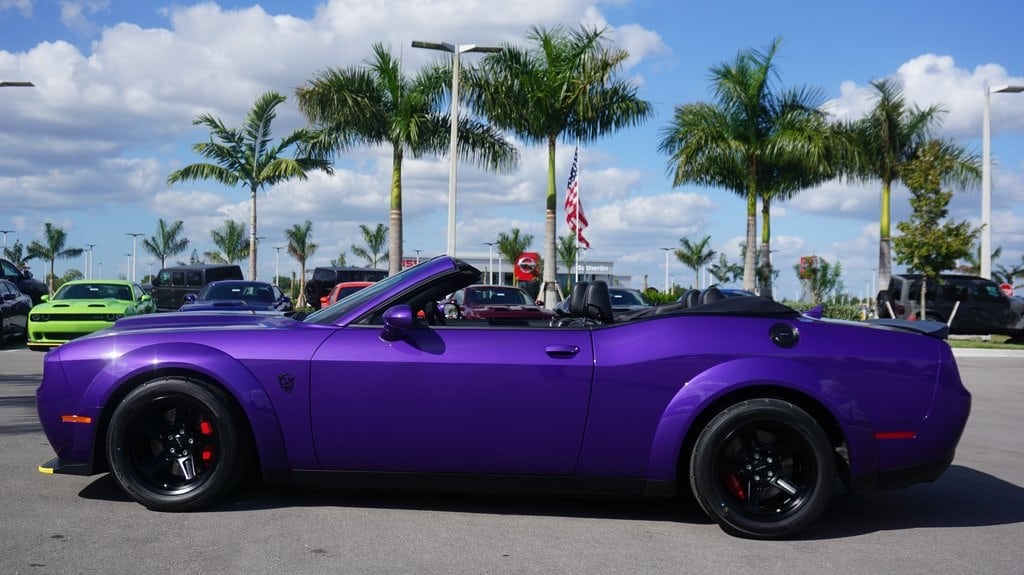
183 321
92 305
226 304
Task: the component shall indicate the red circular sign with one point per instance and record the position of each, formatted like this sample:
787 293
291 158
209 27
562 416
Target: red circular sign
1006 289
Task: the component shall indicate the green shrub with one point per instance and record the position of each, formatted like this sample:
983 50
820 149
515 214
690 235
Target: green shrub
835 311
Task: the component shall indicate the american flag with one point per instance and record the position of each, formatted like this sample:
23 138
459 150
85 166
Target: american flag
573 207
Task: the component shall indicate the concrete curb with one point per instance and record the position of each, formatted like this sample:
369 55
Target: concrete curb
986 352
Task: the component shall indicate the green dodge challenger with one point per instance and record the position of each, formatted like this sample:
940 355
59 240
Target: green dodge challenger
84 306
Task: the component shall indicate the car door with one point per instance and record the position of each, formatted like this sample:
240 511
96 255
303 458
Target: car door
452 399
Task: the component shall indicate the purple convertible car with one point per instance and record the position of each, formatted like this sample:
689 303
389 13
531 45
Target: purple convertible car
751 407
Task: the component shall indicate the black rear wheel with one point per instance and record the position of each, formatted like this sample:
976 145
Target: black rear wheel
762 468
175 445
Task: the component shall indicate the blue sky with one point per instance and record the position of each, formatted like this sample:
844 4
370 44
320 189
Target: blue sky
118 83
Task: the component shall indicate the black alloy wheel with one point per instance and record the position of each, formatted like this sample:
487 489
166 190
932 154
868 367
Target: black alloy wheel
176 445
762 468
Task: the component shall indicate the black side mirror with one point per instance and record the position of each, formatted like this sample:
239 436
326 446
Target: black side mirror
397 321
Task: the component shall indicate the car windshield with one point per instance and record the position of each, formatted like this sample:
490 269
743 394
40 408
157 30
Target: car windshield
94 291
238 292
621 297
497 296
332 312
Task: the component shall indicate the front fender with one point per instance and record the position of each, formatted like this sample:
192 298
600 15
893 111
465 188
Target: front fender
701 393
141 364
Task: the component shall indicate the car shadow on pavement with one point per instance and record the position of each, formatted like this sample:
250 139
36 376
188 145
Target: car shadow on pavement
962 497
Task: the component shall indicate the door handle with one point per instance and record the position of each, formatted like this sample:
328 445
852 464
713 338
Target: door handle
562 350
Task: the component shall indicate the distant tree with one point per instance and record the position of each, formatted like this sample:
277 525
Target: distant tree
245 156
568 252
232 242
511 245
301 248
167 242
567 84
16 253
374 241
377 104
822 278
888 139
725 271
930 243
69 275
341 260
971 262
53 247
695 255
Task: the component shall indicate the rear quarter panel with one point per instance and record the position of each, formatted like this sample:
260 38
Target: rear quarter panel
654 378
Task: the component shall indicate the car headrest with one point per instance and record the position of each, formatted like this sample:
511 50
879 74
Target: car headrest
598 302
690 298
578 299
711 294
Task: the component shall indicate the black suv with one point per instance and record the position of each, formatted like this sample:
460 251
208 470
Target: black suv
28 285
172 283
326 277
983 308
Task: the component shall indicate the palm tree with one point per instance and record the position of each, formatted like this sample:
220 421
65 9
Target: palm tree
54 248
247 157
374 240
695 255
167 242
231 240
16 253
725 271
377 104
341 261
301 248
888 139
754 141
568 251
512 245
566 85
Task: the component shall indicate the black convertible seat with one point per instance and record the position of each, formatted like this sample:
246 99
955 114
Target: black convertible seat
578 300
710 295
598 302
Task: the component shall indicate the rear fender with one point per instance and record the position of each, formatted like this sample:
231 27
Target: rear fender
698 401
193 360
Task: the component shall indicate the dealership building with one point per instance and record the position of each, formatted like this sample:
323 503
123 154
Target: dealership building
498 270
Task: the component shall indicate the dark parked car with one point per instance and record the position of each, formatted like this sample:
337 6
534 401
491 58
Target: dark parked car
238 295
172 284
494 302
326 277
981 308
14 308
750 406
626 299
27 284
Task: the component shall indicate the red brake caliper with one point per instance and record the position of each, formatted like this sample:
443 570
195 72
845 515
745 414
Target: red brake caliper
206 428
735 487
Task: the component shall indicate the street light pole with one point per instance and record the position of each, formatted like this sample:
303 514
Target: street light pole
986 179
490 262
667 251
455 51
88 262
134 252
5 232
277 266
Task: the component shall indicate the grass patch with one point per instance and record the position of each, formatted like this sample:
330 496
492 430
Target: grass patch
993 342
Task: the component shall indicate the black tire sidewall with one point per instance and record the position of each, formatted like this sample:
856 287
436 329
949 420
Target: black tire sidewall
706 485
232 456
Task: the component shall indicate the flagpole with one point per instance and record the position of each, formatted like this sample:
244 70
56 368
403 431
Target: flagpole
576 232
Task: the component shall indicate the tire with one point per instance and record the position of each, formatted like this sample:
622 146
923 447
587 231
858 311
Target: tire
175 444
762 468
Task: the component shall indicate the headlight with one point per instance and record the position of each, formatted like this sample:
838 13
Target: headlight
113 316
40 317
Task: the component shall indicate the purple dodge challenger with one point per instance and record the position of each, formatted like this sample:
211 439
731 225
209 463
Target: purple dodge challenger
750 406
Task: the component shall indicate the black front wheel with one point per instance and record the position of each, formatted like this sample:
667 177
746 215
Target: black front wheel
176 444
762 468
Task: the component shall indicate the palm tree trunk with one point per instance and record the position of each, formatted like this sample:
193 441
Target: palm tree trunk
252 233
766 253
395 216
550 289
885 241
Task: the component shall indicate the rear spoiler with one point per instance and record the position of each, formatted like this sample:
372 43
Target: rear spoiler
936 329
